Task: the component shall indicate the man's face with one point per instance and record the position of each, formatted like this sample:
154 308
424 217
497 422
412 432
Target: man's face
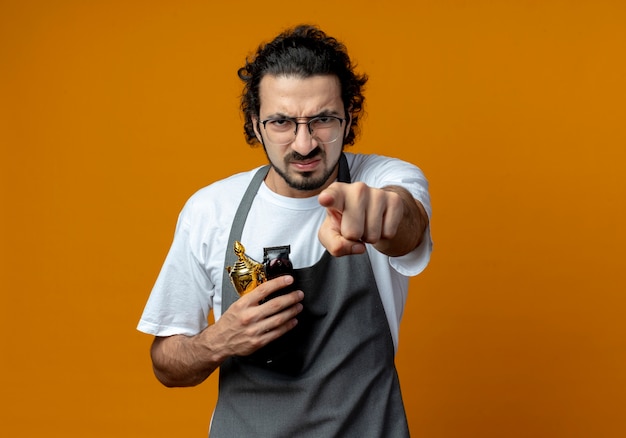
304 166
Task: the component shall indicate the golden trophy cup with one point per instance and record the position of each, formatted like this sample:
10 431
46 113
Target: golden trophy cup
247 273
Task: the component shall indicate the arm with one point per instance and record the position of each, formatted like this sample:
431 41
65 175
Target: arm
388 218
245 327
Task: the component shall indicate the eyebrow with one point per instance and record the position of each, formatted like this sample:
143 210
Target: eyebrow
320 114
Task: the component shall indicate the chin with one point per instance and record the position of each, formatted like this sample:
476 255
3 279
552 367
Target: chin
305 184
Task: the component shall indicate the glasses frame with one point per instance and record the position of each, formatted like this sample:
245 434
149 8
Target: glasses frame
307 123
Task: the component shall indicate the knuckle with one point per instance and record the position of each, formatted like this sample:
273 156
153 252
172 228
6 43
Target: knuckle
246 320
274 305
255 344
354 235
353 230
371 236
395 201
360 190
359 186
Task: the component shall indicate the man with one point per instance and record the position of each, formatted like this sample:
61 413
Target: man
309 353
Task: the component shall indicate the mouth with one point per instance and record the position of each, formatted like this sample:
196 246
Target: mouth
305 165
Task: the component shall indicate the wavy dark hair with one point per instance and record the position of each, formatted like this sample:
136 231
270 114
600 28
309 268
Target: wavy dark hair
302 51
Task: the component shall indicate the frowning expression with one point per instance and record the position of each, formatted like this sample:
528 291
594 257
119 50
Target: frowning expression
306 164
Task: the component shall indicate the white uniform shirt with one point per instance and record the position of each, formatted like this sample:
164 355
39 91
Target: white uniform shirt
190 282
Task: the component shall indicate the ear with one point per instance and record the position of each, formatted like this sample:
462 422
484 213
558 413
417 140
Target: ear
255 126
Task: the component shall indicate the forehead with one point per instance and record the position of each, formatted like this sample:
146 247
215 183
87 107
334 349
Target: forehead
298 96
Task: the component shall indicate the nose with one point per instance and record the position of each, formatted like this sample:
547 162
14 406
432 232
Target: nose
304 141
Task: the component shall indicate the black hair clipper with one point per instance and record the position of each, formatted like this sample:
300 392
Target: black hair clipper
276 263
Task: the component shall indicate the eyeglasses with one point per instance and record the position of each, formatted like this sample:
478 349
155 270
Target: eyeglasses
283 130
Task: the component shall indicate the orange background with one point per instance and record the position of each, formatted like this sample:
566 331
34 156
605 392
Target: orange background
113 112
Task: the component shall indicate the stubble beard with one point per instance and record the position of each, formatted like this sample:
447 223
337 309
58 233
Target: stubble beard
304 181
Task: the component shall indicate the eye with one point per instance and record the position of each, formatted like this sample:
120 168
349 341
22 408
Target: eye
323 120
280 124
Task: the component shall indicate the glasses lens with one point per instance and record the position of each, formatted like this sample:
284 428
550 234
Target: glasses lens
280 131
325 129
322 129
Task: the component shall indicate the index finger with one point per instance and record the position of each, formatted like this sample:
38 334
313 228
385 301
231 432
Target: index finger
333 197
